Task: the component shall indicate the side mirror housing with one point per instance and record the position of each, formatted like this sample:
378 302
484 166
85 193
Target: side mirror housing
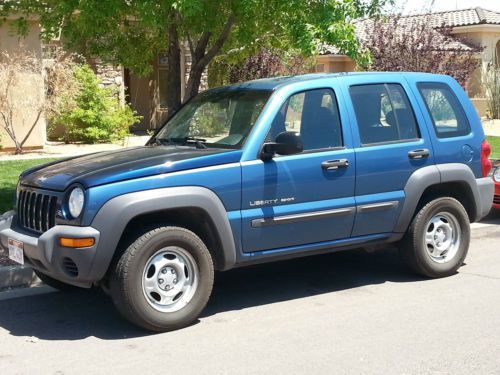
286 143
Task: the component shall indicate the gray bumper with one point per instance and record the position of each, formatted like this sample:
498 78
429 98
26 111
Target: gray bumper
485 190
44 253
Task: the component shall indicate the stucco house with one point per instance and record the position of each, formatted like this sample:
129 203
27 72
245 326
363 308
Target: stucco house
477 25
147 95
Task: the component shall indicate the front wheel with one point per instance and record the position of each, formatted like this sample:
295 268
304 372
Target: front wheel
163 280
437 240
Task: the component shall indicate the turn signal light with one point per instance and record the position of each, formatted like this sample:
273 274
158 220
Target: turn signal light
76 242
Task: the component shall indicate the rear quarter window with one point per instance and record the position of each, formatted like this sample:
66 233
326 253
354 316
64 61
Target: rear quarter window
446 112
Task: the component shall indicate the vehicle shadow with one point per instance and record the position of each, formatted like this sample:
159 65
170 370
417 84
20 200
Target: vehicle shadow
77 315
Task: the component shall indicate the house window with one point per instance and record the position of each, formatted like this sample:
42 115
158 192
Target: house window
162 79
497 54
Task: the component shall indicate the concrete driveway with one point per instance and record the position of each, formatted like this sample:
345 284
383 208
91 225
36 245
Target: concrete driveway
342 313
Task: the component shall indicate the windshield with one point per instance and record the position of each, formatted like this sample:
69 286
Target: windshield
218 119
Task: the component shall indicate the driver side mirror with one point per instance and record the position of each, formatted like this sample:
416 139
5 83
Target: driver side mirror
286 143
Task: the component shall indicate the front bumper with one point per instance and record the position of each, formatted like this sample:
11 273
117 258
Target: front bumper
45 254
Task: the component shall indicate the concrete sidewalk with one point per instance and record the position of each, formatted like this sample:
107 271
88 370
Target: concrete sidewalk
62 150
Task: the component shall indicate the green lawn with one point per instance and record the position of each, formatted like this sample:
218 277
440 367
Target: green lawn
9 173
495 147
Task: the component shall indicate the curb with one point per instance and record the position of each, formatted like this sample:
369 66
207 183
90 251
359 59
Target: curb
17 277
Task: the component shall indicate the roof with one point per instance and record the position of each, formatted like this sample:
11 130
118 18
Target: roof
464 17
454 18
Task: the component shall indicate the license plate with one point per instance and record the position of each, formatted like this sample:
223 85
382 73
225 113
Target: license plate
16 252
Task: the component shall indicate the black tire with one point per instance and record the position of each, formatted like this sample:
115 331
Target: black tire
126 279
56 284
414 250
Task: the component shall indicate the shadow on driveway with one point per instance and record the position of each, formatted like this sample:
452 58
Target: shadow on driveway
77 315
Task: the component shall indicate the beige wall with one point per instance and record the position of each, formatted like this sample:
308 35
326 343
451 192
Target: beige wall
29 91
486 36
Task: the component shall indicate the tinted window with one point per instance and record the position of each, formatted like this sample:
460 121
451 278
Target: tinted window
446 112
315 115
383 113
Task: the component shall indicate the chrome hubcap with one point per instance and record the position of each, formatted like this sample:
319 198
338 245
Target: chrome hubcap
170 279
442 237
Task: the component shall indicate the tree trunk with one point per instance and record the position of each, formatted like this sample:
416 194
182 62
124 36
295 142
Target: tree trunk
193 84
174 71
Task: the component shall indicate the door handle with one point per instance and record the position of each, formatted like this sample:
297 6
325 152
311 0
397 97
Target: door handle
419 154
331 165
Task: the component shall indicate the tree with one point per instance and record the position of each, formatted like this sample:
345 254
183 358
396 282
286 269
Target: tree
20 73
132 32
415 44
268 63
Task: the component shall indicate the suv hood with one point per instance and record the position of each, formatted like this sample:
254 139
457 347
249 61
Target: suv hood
107 167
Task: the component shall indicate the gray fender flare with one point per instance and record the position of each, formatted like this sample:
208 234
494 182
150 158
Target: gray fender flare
115 214
424 177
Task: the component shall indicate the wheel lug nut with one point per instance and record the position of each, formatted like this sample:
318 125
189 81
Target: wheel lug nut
161 281
173 271
164 271
168 287
175 281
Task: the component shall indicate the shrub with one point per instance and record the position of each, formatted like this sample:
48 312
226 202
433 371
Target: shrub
491 86
92 114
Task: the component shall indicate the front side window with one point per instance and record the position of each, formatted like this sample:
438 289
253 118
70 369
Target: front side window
446 112
383 113
215 118
314 115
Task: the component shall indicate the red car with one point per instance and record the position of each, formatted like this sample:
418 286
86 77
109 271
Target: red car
496 178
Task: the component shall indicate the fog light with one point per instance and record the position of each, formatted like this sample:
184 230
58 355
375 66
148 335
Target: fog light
76 242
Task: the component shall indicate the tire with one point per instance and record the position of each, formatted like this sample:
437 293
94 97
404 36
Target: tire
56 284
163 280
429 247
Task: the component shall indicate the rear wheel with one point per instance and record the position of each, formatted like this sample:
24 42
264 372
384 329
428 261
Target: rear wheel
437 240
163 280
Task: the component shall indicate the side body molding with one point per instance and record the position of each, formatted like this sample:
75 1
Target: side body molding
114 216
422 178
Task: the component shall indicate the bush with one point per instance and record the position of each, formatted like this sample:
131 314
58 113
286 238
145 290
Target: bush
92 114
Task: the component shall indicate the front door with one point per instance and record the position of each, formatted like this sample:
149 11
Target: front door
308 197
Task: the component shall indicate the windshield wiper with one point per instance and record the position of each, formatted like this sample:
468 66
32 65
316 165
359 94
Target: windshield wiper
198 142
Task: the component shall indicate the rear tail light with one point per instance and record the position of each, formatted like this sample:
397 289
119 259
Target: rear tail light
486 165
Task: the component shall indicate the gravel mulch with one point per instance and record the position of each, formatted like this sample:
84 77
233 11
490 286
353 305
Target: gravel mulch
4 259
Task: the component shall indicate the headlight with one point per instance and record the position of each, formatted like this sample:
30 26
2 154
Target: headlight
76 201
496 174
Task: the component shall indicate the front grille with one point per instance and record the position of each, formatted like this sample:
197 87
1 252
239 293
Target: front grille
496 199
36 211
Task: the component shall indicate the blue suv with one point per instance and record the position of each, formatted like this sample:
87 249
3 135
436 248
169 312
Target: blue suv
257 172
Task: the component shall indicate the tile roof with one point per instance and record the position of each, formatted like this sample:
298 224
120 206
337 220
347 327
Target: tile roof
454 18
464 17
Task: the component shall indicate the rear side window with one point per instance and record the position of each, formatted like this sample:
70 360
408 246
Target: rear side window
446 112
383 113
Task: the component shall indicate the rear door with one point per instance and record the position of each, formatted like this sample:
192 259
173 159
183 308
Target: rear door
390 143
305 198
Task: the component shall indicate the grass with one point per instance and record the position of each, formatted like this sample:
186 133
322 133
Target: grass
9 174
495 146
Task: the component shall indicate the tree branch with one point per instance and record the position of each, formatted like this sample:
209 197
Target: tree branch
218 43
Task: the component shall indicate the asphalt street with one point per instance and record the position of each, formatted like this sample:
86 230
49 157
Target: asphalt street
342 313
